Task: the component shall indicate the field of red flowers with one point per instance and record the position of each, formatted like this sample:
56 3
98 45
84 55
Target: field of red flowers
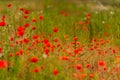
59 40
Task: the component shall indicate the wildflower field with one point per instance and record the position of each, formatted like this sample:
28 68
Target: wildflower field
59 40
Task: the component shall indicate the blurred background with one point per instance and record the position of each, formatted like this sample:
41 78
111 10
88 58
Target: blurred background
104 2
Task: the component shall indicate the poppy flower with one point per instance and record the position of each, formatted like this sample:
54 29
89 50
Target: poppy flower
36 70
42 67
26 12
3 18
11 54
88 65
9 5
25 17
45 41
88 16
20 33
48 44
3 64
26 25
2 23
55 30
55 72
21 9
35 36
55 40
114 51
21 51
40 17
26 40
29 48
34 59
75 38
65 14
62 12
82 23
79 66
84 28
34 20
91 75
65 58
20 41
101 63
76 51
47 51
33 28
1 50
11 39
20 28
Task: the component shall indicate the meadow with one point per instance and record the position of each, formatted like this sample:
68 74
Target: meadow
59 40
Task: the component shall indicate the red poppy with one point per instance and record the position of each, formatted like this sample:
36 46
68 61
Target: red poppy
21 51
88 15
40 17
1 50
55 30
26 12
48 44
75 38
2 23
42 67
91 75
79 66
20 33
76 51
36 70
47 51
26 25
25 17
55 40
34 20
55 72
35 36
11 39
82 23
33 28
21 9
20 28
45 41
114 51
20 41
101 63
3 18
9 5
65 58
29 48
88 65
63 13
3 64
11 54
26 40
34 59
